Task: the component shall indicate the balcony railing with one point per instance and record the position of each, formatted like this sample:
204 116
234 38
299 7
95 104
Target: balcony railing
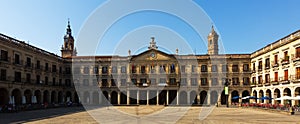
285 60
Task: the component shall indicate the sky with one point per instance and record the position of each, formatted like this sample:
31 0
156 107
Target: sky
244 26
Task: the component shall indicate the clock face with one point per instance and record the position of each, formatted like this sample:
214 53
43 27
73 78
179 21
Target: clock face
153 55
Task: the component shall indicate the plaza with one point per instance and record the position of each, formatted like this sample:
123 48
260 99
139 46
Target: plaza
218 115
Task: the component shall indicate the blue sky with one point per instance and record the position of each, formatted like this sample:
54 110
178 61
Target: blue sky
244 26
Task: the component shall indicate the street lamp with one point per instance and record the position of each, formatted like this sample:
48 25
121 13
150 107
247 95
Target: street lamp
226 91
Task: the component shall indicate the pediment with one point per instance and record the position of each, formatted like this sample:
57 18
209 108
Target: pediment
156 55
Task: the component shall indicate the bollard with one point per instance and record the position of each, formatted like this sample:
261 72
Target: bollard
292 111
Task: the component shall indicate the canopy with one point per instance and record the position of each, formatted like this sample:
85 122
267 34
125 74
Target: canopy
296 98
249 97
285 98
265 97
236 97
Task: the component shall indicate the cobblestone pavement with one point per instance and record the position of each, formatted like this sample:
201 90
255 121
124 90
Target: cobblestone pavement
149 114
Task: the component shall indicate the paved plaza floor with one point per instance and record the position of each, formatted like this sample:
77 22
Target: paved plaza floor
149 114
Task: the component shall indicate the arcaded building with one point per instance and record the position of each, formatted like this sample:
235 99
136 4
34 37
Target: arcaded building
276 70
152 77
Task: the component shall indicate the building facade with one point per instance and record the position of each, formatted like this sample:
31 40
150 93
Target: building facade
152 77
276 70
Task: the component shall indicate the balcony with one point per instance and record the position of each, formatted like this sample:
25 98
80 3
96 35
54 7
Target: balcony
295 78
253 84
284 80
275 64
296 59
285 60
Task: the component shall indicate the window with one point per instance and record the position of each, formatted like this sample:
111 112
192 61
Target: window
54 68
286 75
203 68
298 73
47 67
134 82
183 82
143 80
235 81
68 82
53 81
38 64
162 81
267 78
162 69
68 70
3 75
104 83
152 80
17 59
260 79
95 82
38 79
224 68
253 66
267 63
133 69
260 65
194 82
298 52
235 68
123 69
286 56
182 69
214 68
143 69
214 81
28 62
104 70
28 78
114 69
276 59
246 81
4 55
46 80
113 82
254 80
123 82
96 70
17 76
172 68
86 70
203 81
77 70
173 81
246 67
60 82
276 76
193 68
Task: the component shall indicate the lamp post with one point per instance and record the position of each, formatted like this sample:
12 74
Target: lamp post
226 91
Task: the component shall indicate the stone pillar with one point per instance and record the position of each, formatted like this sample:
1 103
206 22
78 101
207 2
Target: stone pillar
167 98
147 97
119 97
128 97
138 97
293 95
177 98
208 97
240 100
157 97
100 97
282 94
188 98
109 97
272 96
229 98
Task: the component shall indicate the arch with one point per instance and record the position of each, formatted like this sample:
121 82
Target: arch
223 98
95 97
143 97
38 96
16 93
203 99
260 95
4 98
53 97
68 96
28 96
104 98
287 92
277 95
244 94
235 94
162 97
86 97
76 98
172 97
297 93
152 97
123 98
46 96
60 97
213 97
255 95
114 98
269 94
193 98
182 98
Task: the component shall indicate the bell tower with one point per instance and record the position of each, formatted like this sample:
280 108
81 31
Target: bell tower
67 50
212 45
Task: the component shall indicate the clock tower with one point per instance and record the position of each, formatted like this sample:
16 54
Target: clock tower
67 50
212 45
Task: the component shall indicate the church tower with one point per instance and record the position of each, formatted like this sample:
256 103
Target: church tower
212 48
67 50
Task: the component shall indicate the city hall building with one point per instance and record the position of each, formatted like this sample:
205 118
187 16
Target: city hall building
31 75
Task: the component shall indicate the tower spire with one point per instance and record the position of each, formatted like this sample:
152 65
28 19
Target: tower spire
213 48
67 49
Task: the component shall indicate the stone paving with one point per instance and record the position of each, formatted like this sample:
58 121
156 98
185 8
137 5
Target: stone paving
149 114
